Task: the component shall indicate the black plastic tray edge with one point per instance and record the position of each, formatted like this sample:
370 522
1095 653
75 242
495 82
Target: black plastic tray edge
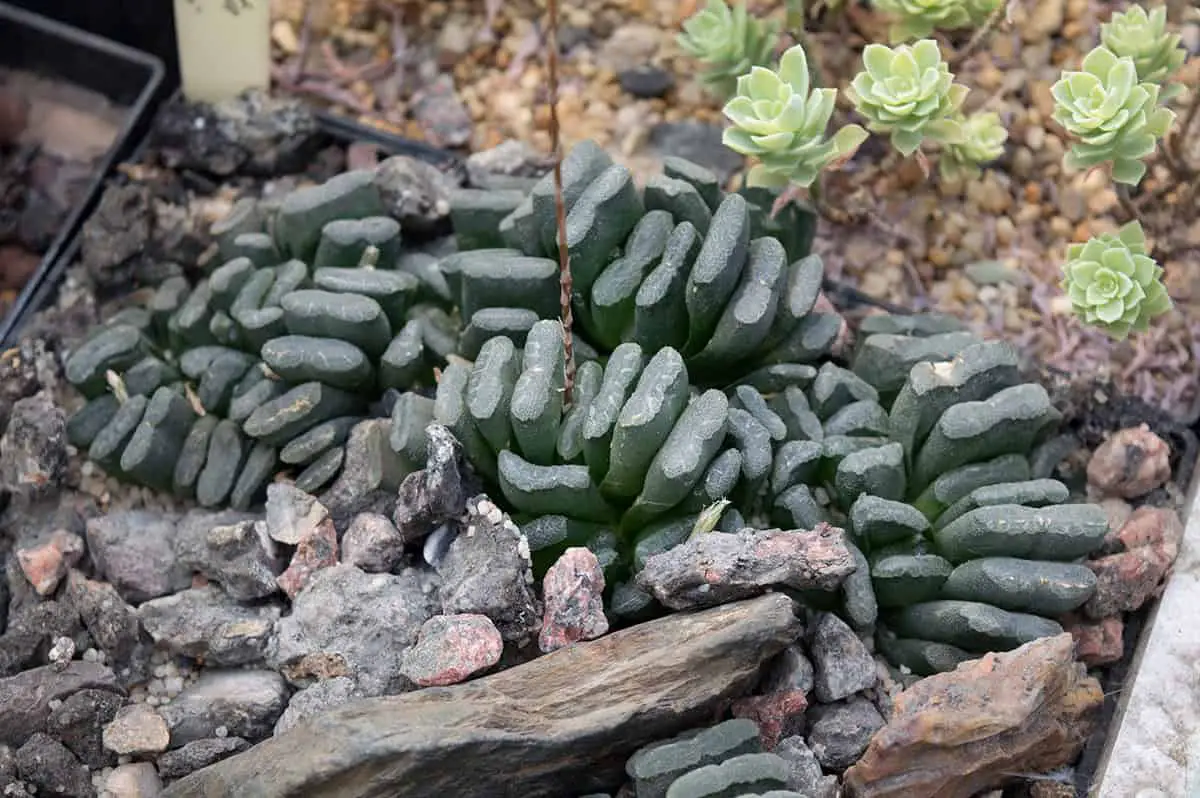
336 127
129 132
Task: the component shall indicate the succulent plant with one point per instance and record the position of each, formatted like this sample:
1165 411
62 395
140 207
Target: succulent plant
949 500
1113 284
909 93
728 42
780 122
983 137
1142 36
915 19
706 394
678 264
1112 116
273 357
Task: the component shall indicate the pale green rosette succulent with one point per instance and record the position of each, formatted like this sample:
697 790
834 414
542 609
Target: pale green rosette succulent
1113 116
1143 36
779 121
1113 284
915 19
729 42
909 93
983 137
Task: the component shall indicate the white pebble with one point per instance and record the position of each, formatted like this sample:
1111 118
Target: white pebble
221 732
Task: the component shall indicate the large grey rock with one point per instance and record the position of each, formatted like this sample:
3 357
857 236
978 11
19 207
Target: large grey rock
241 557
804 771
243 703
205 623
562 724
135 552
349 623
33 449
839 733
843 664
50 767
312 701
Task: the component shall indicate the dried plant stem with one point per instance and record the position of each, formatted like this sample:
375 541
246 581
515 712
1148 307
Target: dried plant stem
1172 148
978 37
560 211
1126 202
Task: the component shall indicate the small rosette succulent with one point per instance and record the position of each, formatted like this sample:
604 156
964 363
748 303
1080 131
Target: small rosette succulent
983 138
915 19
1113 117
729 42
908 92
1142 36
778 120
1113 284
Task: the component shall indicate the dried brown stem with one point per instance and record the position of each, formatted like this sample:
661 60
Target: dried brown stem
1126 202
978 37
560 211
1172 148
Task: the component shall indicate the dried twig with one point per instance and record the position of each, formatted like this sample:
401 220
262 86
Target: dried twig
978 37
560 211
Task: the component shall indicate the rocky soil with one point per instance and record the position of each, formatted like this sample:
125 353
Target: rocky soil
148 647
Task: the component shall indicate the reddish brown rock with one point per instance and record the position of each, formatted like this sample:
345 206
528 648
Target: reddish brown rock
1152 526
1128 579
45 564
1131 463
318 550
573 591
452 648
773 712
1097 642
957 734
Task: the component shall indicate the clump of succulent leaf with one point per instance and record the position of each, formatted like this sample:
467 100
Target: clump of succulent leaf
272 360
944 482
917 19
1113 283
909 94
727 42
779 120
679 264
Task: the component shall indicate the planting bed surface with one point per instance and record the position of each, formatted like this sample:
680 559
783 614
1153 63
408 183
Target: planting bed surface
167 591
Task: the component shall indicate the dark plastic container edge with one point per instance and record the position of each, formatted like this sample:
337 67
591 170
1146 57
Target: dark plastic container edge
338 128
125 138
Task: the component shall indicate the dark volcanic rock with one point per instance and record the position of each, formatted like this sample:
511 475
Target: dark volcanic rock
487 571
50 766
78 723
25 698
33 450
201 753
349 623
113 626
560 725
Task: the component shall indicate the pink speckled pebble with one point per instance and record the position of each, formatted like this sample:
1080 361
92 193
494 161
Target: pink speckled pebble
318 550
574 595
451 648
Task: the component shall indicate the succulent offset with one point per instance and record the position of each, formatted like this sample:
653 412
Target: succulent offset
707 394
274 357
983 138
1142 36
728 42
780 122
1113 284
1112 117
909 93
915 19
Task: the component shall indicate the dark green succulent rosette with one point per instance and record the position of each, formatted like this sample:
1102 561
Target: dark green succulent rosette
271 358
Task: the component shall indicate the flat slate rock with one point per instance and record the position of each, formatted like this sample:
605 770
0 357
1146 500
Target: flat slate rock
571 736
